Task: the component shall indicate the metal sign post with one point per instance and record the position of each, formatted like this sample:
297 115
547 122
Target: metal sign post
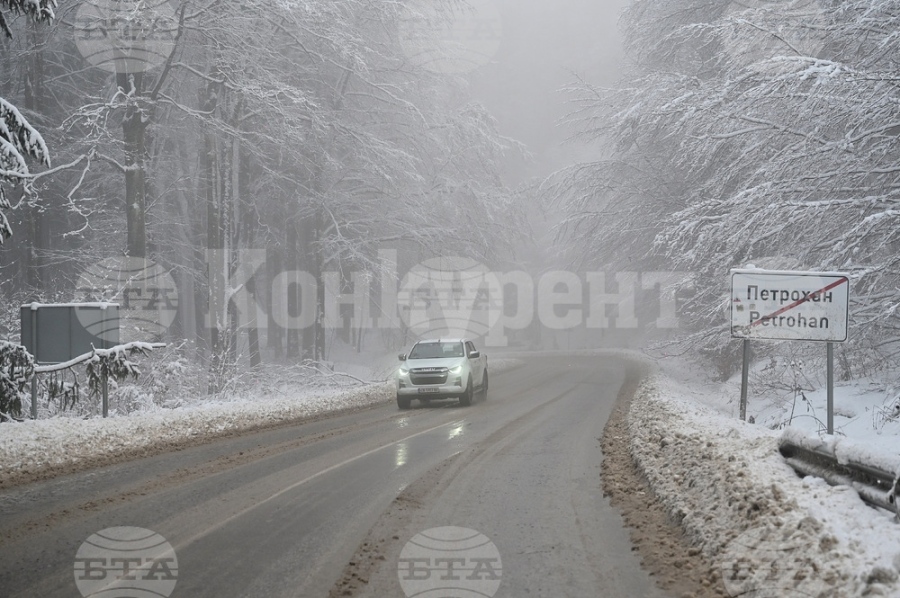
34 395
779 305
105 392
829 381
745 374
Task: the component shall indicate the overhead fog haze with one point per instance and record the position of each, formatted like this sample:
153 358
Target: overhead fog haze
545 45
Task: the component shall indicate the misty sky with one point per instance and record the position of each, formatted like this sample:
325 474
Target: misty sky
543 42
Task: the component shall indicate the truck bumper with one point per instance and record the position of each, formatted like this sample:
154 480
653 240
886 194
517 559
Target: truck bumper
430 392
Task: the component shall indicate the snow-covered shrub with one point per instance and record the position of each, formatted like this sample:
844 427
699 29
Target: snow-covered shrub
113 365
62 390
168 378
16 369
888 413
281 379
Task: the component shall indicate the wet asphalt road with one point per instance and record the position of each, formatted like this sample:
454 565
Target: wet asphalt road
291 511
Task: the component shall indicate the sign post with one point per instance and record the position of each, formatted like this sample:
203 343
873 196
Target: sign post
745 373
792 306
830 390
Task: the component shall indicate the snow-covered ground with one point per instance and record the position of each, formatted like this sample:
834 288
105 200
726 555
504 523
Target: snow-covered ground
38 444
771 533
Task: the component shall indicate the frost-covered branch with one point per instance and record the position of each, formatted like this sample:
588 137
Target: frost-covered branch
762 133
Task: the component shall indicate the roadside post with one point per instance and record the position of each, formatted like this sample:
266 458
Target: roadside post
745 373
790 306
829 382
105 393
34 395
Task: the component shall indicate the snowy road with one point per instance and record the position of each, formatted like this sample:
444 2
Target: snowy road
290 511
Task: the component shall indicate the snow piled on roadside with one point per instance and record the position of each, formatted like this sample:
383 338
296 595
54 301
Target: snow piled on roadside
32 446
770 532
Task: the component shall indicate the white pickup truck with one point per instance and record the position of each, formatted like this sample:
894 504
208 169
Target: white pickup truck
440 369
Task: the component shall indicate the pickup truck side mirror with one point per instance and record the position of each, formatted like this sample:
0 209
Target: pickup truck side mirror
475 354
402 357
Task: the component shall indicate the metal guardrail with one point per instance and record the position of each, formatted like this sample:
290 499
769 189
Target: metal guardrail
873 484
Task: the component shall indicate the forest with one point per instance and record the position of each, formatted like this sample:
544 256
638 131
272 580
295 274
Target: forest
255 148
303 130
747 133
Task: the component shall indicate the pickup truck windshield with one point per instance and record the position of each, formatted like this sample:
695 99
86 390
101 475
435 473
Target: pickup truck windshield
437 350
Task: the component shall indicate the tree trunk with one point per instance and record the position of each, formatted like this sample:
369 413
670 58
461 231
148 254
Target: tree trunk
274 332
319 260
232 230
133 127
36 218
294 349
215 243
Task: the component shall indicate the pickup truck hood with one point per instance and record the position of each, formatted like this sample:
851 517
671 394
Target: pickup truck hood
439 362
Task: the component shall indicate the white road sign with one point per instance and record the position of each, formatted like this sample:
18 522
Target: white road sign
775 305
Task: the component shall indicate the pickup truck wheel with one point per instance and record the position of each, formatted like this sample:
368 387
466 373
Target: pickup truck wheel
466 398
484 385
403 402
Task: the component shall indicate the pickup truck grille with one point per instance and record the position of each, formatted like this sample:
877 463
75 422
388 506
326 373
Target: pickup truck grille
425 376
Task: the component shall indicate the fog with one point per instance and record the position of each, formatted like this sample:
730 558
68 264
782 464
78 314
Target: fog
319 139
545 43
312 137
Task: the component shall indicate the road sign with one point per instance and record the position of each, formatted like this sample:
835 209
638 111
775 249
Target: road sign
776 305
59 332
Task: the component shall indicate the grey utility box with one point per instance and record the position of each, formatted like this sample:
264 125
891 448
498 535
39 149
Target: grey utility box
59 332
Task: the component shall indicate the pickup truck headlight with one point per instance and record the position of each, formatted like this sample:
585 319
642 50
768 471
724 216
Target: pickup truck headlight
456 370
403 372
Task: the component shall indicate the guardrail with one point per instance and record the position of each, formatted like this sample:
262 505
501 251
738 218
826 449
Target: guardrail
874 484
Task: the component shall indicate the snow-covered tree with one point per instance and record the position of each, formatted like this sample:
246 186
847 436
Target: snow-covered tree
18 139
299 128
750 132
351 146
39 11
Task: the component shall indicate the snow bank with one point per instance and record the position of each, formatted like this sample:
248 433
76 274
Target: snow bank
37 444
770 532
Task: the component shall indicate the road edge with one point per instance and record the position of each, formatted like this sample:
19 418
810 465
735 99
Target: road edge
666 553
